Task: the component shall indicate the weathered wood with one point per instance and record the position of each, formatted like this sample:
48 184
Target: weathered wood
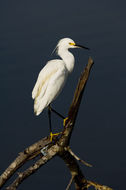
22 158
59 147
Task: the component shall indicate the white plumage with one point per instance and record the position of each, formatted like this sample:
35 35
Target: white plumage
52 77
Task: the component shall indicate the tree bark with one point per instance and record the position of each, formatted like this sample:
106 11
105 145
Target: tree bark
58 147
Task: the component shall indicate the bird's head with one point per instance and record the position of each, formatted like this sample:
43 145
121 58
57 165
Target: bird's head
67 43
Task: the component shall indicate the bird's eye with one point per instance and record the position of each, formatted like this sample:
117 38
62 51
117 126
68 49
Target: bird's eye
72 44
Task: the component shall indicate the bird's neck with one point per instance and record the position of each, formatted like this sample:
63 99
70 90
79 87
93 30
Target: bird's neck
68 59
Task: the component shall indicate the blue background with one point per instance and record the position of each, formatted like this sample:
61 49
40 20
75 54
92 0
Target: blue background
29 31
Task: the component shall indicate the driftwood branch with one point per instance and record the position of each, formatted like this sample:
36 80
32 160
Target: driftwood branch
46 150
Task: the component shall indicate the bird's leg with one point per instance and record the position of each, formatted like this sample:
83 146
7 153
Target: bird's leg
64 121
61 116
57 113
50 125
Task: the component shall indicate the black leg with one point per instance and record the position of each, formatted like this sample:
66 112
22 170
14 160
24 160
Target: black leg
50 124
51 109
49 115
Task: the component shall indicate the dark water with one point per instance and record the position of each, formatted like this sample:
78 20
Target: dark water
29 30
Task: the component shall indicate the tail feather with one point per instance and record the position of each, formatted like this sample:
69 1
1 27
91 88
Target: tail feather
39 106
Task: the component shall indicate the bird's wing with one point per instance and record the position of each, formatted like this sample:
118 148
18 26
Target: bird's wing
53 84
45 74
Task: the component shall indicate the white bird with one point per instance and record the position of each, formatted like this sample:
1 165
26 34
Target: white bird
52 77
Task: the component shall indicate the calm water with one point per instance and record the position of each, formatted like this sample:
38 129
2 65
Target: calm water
29 31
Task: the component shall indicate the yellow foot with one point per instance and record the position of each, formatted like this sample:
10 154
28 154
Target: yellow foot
55 134
64 121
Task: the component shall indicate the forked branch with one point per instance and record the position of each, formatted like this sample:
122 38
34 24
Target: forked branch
46 150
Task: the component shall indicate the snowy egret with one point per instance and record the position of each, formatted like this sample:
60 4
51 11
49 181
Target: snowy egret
52 77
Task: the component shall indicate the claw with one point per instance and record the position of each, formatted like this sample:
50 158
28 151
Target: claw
64 121
55 134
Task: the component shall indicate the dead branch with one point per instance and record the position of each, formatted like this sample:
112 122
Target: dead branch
59 147
97 186
27 154
51 153
70 183
77 158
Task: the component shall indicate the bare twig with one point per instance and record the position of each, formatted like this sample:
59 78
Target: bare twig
97 186
77 158
70 183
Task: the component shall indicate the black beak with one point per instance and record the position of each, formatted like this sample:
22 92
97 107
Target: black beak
80 46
